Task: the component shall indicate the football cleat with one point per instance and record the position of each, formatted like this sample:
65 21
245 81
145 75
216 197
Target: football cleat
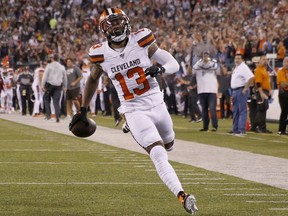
188 201
125 128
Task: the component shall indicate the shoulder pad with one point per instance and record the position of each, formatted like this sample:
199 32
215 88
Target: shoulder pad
144 37
96 53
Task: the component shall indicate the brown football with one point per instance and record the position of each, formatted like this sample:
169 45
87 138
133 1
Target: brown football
82 130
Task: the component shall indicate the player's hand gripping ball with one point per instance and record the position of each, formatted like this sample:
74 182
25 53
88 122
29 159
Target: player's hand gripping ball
81 126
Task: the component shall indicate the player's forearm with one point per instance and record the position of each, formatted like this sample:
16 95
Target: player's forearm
166 60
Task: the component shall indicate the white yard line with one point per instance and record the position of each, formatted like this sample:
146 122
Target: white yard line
278 209
233 189
260 194
266 201
69 163
101 183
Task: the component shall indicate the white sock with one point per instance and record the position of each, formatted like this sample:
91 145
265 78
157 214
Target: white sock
164 169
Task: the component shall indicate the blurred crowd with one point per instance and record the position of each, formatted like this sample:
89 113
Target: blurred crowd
30 30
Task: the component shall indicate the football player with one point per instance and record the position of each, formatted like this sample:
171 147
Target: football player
7 92
17 73
37 90
127 57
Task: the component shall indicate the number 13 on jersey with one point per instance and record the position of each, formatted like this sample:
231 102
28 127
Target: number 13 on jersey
143 84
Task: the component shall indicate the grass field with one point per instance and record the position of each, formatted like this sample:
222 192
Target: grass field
45 173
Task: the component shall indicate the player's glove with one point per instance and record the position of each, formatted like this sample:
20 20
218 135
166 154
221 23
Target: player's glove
81 116
125 128
154 70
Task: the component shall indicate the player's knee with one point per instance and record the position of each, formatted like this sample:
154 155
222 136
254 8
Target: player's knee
169 146
149 148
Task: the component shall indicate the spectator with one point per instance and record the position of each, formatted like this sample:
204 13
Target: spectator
263 87
281 52
282 81
206 72
242 78
53 82
1 85
191 85
171 97
74 77
224 91
25 80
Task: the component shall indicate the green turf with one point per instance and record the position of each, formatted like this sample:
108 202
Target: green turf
46 174
266 144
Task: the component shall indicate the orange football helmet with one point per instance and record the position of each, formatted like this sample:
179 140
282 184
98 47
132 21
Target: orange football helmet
114 24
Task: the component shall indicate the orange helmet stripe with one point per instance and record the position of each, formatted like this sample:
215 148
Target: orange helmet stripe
117 10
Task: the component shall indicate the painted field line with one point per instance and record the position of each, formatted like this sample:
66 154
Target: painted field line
278 209
92 183
213 183
45 150
266 201
274 195
133 160
215 179
26 140
107 150
120 157
232 189
56 163
191 174
277 141
184 171
81 183
180 173
140 166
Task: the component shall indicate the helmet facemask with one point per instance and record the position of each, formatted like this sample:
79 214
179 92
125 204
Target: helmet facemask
116 27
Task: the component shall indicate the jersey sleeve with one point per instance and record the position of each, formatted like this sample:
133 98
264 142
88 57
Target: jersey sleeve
280 76
196 65
96 53
144 37
257 76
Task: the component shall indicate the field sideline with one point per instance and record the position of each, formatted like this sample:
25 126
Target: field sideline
256 198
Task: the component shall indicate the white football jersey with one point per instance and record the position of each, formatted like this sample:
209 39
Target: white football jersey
7 82
206 76
36 81
126 69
